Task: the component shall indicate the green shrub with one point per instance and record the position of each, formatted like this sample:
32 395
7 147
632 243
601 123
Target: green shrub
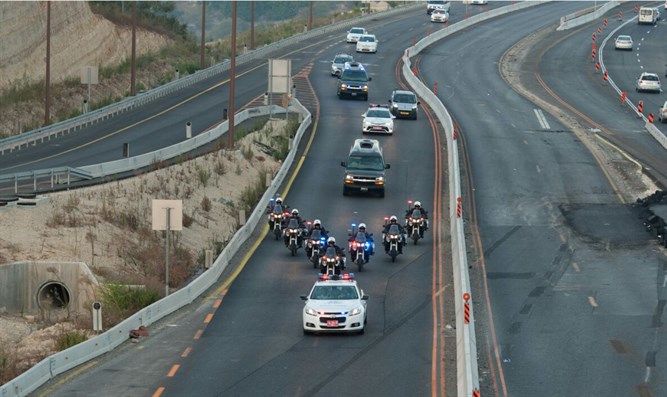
123 300
69 339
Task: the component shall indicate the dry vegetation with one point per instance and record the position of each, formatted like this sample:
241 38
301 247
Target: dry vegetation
109 227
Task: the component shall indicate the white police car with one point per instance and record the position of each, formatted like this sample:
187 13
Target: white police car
378 119
335 304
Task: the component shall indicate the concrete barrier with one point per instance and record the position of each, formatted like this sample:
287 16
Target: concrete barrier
580 18
466 343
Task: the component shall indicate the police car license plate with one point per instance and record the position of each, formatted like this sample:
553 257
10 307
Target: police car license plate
377 128
405 113
354 94
364 189
332 323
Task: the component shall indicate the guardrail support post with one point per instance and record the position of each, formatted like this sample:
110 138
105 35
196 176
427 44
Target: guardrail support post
188 130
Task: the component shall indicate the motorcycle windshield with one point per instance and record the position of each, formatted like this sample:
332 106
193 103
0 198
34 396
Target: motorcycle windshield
277 209
331 252
360 238
393 229
416 214
316 234
293 224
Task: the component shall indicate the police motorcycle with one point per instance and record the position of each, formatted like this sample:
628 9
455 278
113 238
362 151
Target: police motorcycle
360 246
393 239
415 223
292 232
277 213
314 245
330 263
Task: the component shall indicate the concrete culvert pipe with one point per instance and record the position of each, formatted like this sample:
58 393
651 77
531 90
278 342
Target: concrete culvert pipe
53 295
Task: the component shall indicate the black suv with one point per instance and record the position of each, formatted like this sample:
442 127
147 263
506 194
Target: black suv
365 168
353 82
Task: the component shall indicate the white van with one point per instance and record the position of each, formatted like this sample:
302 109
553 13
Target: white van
647 16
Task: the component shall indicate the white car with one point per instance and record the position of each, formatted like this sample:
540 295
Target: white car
439 15
648 82
662 113
335 304
367 43
354 34
378 119
623 42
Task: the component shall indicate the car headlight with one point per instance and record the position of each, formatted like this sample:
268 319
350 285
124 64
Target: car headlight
414 107
343 85
348 177
395 106
355 311
379 178
310 311
364 88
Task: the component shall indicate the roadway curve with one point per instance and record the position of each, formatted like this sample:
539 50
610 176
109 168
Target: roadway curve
247 335
567 283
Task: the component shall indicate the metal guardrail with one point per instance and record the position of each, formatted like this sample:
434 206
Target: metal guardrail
72 125
65 360
466 342
68 174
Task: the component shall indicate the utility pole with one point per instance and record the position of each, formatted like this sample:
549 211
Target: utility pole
133 73
232 82
310 15
252 24
47 78
202 66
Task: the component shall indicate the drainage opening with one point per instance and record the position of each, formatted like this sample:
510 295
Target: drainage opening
53 295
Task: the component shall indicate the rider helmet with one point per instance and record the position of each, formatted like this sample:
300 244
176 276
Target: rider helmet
317 222
331 240
362 226
393 219
295 212
418 204
279 200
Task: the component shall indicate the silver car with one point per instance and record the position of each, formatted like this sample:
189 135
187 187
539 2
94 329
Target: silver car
648 82
404 104
338 63
623 42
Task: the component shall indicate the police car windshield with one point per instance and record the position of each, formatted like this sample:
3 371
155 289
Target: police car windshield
369 39
370 163
334 292
355 75
357 30
383 113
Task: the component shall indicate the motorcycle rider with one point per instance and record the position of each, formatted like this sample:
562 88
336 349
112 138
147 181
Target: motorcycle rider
331 242
294 215
369 238
424 213
393 220
276 207
317 225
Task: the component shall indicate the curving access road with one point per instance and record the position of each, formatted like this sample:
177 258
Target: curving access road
568 284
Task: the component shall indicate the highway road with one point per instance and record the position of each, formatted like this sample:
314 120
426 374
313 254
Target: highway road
566 283
569 285
254 342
